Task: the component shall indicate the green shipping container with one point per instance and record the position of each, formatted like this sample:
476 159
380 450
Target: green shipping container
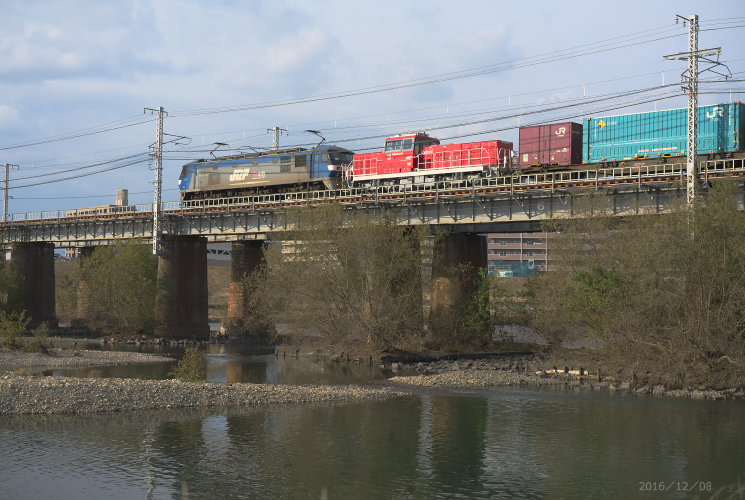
721 129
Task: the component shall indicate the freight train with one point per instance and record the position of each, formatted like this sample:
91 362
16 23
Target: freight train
417 157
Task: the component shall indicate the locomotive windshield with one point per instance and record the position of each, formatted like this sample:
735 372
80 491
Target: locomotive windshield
340 157
399 145
393 145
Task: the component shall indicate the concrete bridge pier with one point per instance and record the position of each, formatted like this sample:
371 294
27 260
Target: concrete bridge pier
247 256
457 259
34 263
181 298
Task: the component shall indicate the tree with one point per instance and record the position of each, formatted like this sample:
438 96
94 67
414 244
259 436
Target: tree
346 277
120 285
663 292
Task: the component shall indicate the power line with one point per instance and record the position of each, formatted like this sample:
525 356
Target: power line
413 83
73 135
525 111
92 165
129 164
109 195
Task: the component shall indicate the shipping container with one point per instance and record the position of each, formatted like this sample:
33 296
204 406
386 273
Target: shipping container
554 144
663 133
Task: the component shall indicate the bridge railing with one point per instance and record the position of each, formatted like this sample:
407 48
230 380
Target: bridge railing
511 182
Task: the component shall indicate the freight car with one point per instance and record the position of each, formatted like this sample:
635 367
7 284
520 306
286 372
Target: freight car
663 134
608 140
417 157
549 145
265 172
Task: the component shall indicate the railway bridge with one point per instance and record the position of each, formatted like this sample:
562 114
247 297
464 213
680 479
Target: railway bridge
462 209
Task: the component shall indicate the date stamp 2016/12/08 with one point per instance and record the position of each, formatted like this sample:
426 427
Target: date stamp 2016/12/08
674 486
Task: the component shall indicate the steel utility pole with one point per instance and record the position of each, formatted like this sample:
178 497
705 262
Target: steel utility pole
8 166
158 184
277 131
690 85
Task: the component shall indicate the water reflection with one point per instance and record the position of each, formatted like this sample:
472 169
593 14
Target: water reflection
235 364
495 444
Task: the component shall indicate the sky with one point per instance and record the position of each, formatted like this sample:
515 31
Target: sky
227 70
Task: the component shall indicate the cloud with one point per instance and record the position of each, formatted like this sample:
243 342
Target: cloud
106 42
8 116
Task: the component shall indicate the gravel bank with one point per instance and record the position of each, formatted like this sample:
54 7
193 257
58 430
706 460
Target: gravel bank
11 360
486 373
52 395
477 379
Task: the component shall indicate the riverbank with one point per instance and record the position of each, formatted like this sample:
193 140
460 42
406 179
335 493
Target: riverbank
21 394
532 371
35 362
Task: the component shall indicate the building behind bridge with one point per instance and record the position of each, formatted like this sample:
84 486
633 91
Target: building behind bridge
517 254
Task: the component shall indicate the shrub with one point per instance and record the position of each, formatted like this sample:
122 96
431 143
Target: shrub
192 367
37 343
12 326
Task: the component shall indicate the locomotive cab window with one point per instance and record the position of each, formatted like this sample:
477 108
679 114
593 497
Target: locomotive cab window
393 145
340 157
408 144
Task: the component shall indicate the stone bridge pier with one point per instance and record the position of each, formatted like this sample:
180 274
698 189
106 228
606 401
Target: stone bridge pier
456 262
33 263
84 299
181 299
247 256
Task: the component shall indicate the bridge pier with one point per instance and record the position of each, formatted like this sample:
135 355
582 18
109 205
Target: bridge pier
83 293
181 298
34 263
247 256
457 259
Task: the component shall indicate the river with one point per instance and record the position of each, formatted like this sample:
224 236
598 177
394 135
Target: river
501 443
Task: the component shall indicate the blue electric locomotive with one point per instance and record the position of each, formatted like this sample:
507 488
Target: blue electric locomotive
265 172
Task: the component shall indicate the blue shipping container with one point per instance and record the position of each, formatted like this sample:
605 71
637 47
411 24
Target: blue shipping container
721 129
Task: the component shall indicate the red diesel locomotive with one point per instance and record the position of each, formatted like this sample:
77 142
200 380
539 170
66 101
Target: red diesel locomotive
417 157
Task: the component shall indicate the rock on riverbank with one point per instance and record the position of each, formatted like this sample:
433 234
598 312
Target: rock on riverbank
69 358
47 395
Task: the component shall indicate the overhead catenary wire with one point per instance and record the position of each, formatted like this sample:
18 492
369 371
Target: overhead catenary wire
72 135
236 143
525 111
479 71
144 157
589 48
109 169
84 167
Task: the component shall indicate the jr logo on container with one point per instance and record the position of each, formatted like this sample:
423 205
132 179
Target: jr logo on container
716 113
561 132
